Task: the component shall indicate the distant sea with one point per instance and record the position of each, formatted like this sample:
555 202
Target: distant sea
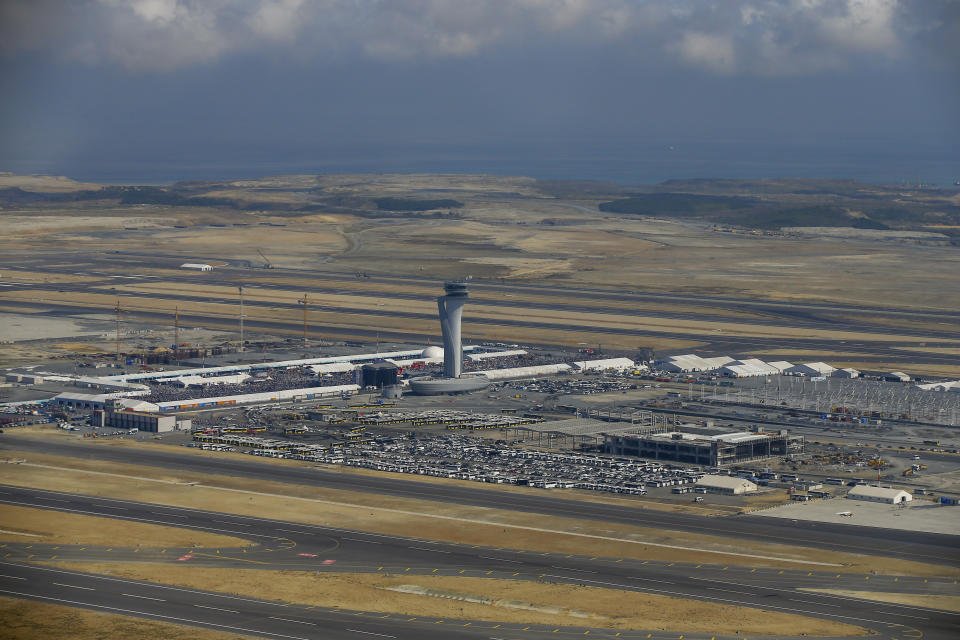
625 164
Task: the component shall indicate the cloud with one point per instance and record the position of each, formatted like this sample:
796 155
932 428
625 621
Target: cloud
757 37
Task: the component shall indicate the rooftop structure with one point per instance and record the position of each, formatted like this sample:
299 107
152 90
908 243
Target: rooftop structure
196 266
715 451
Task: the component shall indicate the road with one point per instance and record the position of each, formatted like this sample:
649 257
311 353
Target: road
909 545
297 546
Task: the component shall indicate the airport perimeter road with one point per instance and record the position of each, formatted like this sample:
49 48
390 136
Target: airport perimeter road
910 545
297 546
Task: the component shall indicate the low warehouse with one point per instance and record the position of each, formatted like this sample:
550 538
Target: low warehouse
726 485
879 494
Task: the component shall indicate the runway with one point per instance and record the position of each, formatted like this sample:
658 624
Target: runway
297 546
808 316
909 545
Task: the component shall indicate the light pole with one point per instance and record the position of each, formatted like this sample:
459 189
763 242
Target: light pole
304 301
240 290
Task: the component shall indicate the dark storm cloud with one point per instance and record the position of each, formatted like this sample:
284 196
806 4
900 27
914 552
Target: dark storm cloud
768 37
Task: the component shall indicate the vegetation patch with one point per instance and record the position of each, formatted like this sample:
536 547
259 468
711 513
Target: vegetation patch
675 204
411 204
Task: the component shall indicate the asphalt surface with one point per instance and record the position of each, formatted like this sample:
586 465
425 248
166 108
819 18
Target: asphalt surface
909 545
297 546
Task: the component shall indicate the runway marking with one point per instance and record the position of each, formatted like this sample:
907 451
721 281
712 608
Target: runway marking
304 533
902 615
826 595
572 569
203 606
11 577
500 559
154 615
360 540
430 550
237 524
73 586
648 579
133 595
822 604
297 621
370 633
169 515
745 593
435 516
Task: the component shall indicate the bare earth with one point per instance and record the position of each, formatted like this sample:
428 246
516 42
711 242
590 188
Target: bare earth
28 620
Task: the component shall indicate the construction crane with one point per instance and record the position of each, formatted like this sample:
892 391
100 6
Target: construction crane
266 261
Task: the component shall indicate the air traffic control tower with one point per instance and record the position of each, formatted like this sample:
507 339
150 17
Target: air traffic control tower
451 311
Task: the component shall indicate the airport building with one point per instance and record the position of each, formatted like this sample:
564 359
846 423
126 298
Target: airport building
196 266
727 485
140 420
713 451
879 494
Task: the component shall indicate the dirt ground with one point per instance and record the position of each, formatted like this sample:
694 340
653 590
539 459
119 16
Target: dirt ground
559 604
452 523
23 524
27 620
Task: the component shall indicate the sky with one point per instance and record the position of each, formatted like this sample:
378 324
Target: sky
628 90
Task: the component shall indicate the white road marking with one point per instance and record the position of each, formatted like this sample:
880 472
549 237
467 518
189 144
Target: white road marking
238 524
430 550
203 606
359 540
827 595
501 559
822 604
153 615
714 599
649 580
370 633
572 569
297 621
133 595
169 515
745 593
73 586
304 533
902 615
11 577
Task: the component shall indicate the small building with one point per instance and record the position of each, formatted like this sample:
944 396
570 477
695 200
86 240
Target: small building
726 484
140 420
879 494
896 376
846 373
812 369
196 266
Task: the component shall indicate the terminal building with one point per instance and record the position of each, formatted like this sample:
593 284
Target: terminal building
704 450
